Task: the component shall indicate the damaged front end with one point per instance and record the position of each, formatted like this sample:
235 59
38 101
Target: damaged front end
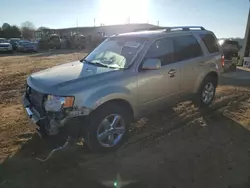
51 113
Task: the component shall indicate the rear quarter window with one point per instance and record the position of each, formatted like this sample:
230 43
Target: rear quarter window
186 47
210 42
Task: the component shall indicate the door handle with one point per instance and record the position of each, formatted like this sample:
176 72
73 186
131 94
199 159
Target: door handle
201 63
172 71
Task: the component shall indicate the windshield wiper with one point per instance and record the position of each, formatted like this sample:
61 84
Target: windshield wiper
85 61
99 64
105 65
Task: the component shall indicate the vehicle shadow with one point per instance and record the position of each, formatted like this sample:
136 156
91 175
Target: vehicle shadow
212 155
76 166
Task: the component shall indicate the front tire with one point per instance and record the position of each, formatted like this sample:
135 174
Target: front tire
107 128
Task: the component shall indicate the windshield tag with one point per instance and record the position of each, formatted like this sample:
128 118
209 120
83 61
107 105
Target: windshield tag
132 44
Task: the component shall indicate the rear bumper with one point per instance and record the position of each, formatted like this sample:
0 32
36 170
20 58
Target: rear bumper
229 63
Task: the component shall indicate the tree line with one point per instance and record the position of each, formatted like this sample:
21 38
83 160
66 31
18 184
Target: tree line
26 31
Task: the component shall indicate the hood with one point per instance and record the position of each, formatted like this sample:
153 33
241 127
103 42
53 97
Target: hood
64 74
4 44
27 45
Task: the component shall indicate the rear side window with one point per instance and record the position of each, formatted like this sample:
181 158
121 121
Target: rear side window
186 47
162 49
210 43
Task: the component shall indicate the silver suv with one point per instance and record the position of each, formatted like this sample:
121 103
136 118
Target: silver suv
126 77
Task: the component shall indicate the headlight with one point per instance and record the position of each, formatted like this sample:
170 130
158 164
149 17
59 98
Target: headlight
56 103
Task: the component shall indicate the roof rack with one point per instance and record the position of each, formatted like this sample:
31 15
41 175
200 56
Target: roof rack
183 28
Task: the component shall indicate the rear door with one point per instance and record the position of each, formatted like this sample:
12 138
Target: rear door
188 56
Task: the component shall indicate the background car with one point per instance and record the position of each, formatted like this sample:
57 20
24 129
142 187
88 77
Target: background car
5 46
26 46
230 49
14 42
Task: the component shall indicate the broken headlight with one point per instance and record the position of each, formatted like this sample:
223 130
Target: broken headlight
57 103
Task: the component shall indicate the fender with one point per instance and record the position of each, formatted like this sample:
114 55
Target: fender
110 93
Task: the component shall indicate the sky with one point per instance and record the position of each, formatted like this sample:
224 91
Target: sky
226 18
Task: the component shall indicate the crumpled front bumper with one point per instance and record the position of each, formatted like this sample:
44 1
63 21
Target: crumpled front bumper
72 124
39 122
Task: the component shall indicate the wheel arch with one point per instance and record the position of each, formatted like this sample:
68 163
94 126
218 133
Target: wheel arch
212 74
121 102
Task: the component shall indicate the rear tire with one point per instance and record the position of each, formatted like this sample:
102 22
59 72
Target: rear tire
95 121
206 92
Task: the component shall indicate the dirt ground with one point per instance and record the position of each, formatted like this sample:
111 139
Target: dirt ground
179 147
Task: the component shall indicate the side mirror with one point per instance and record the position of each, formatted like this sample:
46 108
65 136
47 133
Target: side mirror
151 64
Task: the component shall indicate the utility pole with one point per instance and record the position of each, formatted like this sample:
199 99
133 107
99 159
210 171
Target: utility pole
77 26
94 22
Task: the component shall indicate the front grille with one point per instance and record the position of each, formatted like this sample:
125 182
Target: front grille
36 99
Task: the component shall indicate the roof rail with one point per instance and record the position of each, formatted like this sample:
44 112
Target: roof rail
183 28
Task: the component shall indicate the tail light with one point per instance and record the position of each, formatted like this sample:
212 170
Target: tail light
222 61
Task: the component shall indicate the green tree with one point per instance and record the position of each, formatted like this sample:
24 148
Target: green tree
5 26
5 29
10 31
15 32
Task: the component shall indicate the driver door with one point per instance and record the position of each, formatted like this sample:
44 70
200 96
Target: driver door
155 86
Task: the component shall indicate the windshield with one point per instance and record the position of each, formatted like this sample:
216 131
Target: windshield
14 40
3 41
116 52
